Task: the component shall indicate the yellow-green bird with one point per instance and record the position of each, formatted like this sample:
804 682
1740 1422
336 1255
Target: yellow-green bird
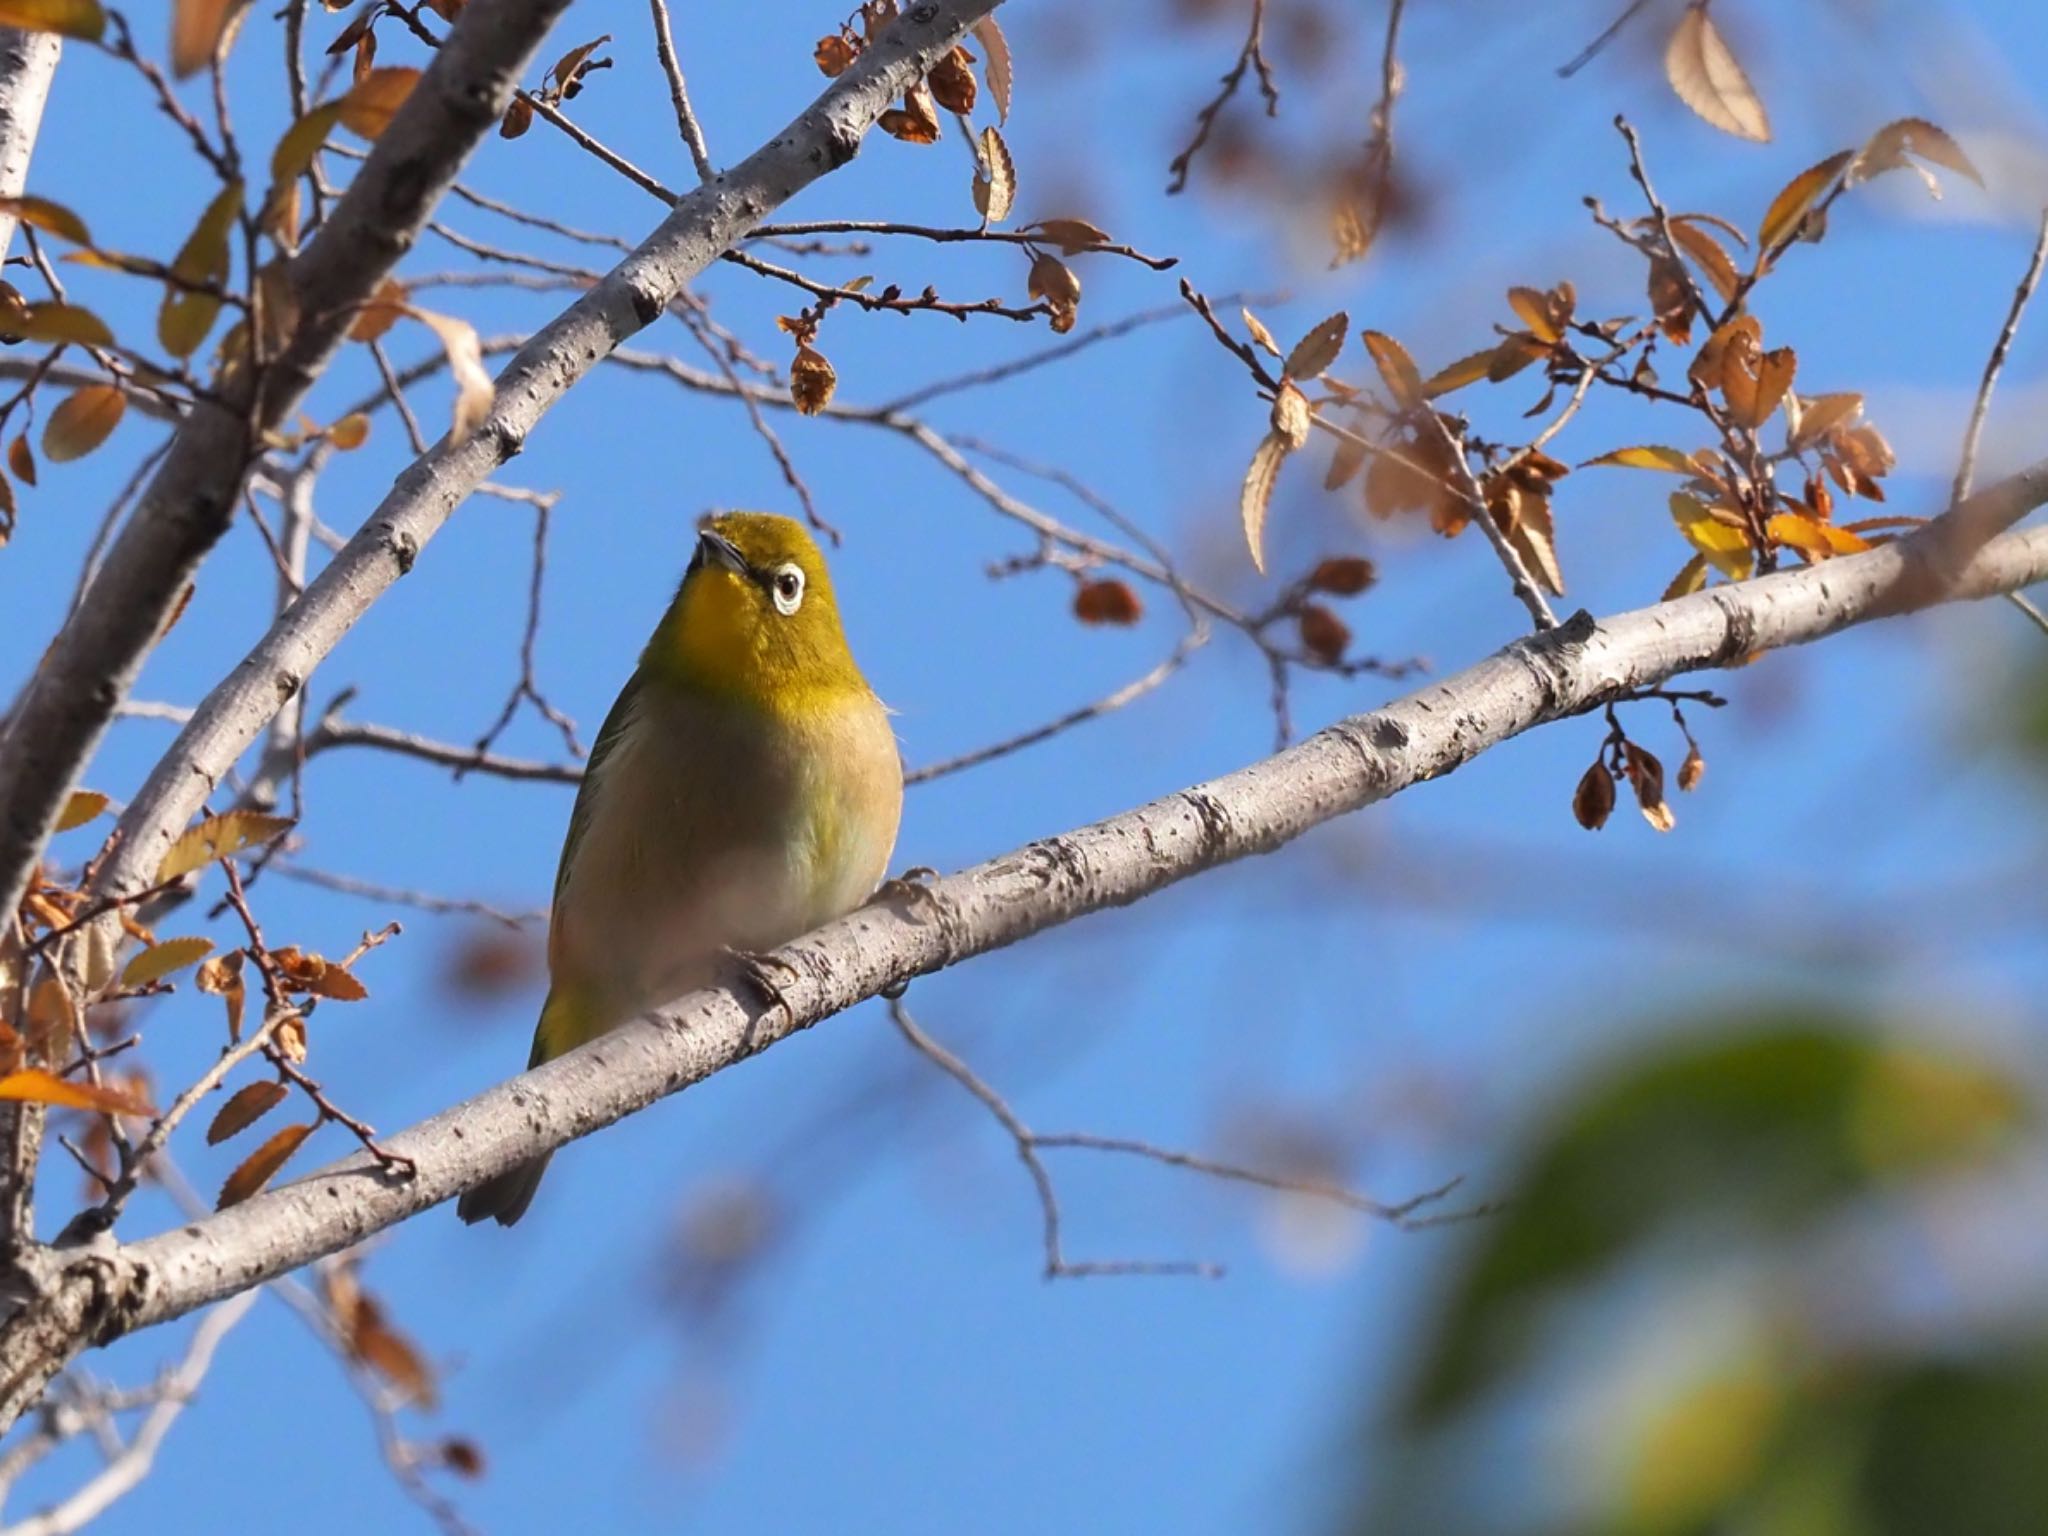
745 788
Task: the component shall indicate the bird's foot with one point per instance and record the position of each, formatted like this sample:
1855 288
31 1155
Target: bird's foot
759 973
912 888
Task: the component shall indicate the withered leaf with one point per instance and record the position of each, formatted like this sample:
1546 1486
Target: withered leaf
1692 770
1708 253
1260 335
474 392
518 118
1323 635
1291 415
952 82
1534 536
380 311
1593 800
570 68
1690 578
68 18
811 381
197 27
1344 463
50 217
1646 775
82 421
216 838
1342 575
81 807
1754 383
1707 77
1070 235
261 1166
1318 349
350 433
34 1086
160 960
1107 601
244 1108
994 194
1256 498
834 55
1466 370
187 316
1515 353
1397 369
59 323
1789 208
916 121
995 52
22 460
1887 149
1671 299
1053 281
1670 460
367 110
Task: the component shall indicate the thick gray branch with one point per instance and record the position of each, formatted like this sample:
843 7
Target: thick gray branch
190 499
28 62
630 297
109 1290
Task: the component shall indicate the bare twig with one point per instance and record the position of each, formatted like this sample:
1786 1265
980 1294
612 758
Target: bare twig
686 120
1251 56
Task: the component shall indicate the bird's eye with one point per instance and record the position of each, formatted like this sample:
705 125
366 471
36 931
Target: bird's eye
787 587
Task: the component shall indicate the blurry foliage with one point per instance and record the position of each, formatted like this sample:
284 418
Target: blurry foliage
1741 1142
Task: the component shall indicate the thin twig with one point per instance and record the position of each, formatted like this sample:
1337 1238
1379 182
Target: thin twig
686 120
1251 55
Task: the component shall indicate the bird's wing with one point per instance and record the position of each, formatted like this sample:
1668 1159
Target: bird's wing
609 736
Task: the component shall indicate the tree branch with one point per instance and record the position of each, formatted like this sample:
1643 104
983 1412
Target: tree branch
91 1295
28 62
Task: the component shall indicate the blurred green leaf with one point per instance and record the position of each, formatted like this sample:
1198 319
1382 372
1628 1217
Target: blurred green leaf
1759 1123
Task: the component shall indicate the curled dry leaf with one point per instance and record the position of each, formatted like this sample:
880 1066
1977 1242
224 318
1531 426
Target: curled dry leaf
474 391
916 121
1260 335
262 1165
216 838
161 960
382 310
83 805
1070 235
1343 575
997 191
22 460
1292 415
83 19
995 49
1692 770
1821 414
1707 77
1318 349
32 1085
811 381
834 55
1054 282
1646 775
1888 147
1323 635
1107 601
222 976
1593 800
197 28
1789 208
952 81
82 421
366 111
244 1108
1257 496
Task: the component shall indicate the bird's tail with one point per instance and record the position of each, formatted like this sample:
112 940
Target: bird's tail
505 1198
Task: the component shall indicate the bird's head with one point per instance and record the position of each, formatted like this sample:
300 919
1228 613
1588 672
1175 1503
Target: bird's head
755 617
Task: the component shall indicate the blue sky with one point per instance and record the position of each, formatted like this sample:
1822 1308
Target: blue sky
1400 991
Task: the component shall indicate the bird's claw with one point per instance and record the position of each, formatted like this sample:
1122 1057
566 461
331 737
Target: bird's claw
912 887
758 971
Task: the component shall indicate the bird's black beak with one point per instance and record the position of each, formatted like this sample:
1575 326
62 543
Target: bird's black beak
716 549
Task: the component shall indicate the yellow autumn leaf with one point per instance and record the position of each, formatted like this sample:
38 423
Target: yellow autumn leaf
32 1085
82 421
1725 546
83 805
1670 460
367 110
160 960
61 323
50 217
83 19
216 838
262 1164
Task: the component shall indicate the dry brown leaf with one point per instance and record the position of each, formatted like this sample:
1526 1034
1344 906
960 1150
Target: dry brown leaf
1344 463
1323 635
1789 208
916 121
1107 601
367 110
197 27
1692 770
1646 775
952 82
1887 149
1343 575
1070 235
1257 496
1755 383
160 960
82 421
1396 368
1318 349
994 195
22 460
834 55
1671 299
1707 78
1466 370
1690 578
518 118
1593 800
1534 537
83 805
474 392
1291 415
811 381
32 1085
995 51
1260 335
68 18
1821 414
261 1166
60 323
216 838
351 432
244 1108
1711 258
50 217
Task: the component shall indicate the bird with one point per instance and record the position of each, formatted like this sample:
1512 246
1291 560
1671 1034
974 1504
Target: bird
745 788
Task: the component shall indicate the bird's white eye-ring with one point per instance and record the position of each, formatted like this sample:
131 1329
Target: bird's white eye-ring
786 587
